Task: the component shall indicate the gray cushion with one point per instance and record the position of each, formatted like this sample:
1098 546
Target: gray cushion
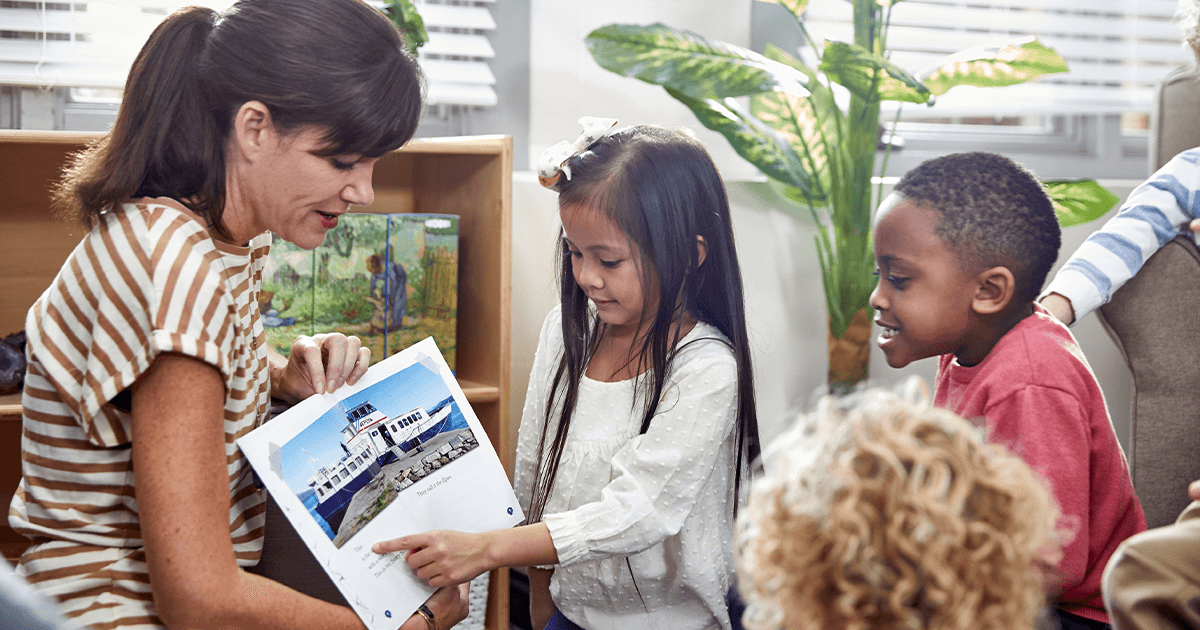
1174 121
1155 320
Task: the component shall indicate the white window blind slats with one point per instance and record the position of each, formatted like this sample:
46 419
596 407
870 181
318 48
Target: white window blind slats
61 74
1116 49
457 48
79 44
82 22
458 45
457 16
460 82
455 57
1083 72
92 44
1028 98
1165 9
459 71
468 94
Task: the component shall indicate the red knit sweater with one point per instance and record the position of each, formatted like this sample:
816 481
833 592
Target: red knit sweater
1037 395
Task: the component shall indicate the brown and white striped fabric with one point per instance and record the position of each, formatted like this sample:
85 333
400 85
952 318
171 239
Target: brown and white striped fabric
149 279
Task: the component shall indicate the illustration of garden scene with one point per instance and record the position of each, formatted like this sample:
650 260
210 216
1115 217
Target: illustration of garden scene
358 457
389 279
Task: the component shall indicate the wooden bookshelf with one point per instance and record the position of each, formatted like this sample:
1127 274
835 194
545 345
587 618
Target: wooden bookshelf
467 176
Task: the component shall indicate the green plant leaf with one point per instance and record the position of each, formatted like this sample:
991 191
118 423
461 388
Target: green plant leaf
1079 201
404 15
752 140
809 124
691 64
798 126
994 66
870 76
796 7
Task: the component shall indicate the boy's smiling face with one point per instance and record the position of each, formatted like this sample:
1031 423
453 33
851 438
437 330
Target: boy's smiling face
923 302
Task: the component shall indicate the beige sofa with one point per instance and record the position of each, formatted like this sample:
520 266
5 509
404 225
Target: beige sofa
1155 320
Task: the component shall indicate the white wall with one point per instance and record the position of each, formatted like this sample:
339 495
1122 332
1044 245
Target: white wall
566 83
784 299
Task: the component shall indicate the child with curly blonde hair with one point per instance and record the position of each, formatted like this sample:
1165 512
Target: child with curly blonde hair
879 511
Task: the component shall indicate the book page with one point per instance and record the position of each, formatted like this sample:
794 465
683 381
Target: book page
400 452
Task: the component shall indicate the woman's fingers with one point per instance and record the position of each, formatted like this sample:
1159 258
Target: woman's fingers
360 366
333 351
346 360
305 360
403 543
329 360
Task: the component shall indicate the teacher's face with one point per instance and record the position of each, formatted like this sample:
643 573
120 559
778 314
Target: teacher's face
289 189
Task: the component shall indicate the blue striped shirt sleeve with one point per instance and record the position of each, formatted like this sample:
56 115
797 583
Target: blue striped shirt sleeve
1155 212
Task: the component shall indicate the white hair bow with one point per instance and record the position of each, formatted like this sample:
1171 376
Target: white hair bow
552 165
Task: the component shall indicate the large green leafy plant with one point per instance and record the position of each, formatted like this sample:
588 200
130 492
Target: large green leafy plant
820 147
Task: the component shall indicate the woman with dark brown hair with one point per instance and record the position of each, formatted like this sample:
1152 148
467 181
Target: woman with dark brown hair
147 355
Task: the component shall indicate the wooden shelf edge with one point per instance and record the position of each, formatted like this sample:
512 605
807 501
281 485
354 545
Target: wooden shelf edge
477 392
482 145
10 407
47 137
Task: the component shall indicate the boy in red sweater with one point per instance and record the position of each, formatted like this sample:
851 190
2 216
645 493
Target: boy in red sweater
963 247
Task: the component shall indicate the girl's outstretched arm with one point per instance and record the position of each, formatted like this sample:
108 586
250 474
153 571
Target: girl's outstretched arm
442 558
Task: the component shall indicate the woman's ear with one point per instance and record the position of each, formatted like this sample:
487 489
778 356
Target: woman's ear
994 290
701 250
253 131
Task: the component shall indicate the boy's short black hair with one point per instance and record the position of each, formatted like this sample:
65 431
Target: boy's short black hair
994 212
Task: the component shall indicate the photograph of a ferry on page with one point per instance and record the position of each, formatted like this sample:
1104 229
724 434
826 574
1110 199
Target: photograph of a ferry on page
350 464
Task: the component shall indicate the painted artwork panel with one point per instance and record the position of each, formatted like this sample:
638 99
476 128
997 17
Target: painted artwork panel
423 253
346 296
286 298
389 279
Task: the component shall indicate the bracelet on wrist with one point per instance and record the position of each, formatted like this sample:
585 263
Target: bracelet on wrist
427 614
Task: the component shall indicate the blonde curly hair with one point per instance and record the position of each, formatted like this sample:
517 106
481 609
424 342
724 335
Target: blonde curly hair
1187 14
878 511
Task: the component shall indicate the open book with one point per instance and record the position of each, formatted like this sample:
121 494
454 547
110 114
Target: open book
400 452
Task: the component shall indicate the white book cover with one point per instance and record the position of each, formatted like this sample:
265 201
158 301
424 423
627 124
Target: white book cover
400 452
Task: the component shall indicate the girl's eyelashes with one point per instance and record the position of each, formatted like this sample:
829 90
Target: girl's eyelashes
577 253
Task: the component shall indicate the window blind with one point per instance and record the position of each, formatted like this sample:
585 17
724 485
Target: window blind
92 44
1116 49
455 59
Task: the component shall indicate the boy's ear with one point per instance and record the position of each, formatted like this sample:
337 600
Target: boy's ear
702 250
994 290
